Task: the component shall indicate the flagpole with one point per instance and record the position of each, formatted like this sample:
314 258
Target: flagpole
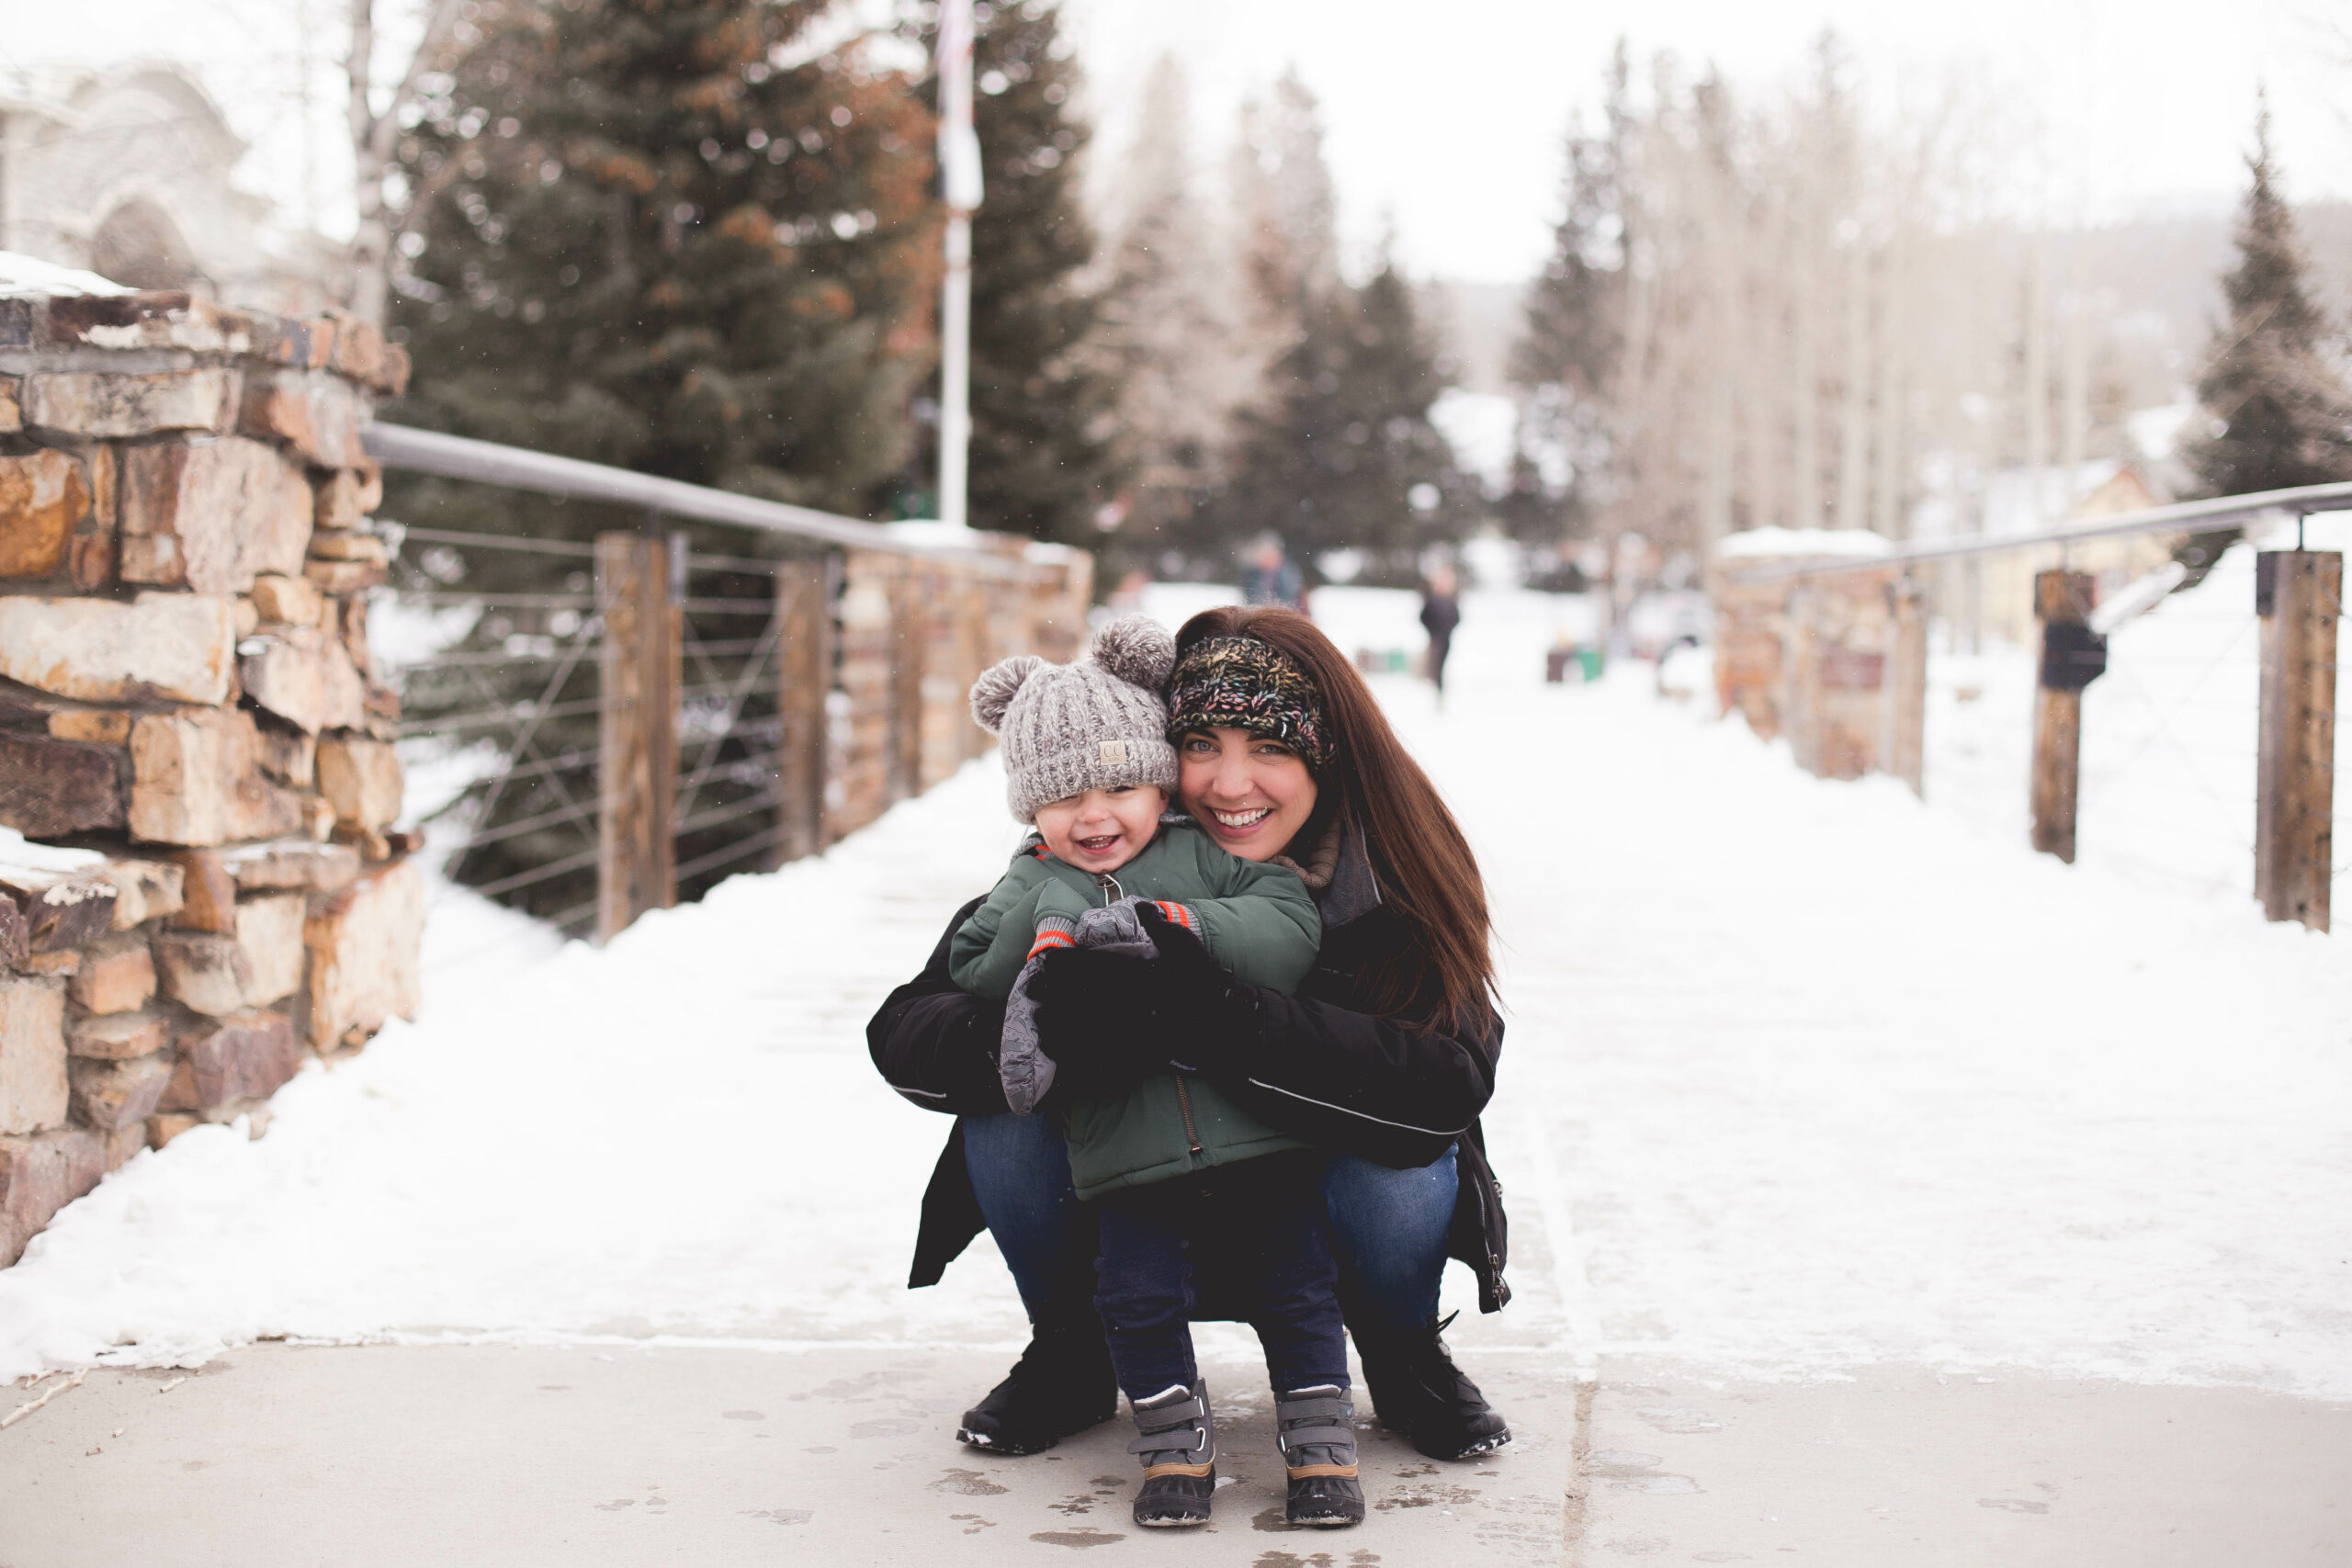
959 167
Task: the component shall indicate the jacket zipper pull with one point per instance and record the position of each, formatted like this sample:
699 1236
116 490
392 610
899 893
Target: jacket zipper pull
1185 1103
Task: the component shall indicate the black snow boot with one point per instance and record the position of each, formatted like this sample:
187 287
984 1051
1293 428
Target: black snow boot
1315 1429
1178 1447
1420 1394
1062 1384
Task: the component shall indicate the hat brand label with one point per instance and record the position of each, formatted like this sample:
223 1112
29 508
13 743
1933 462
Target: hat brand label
1114 751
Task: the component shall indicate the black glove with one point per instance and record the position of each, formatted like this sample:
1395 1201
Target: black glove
1207 1020
1097 1019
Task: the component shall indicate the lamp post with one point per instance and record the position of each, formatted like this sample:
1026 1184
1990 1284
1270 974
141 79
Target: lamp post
959 170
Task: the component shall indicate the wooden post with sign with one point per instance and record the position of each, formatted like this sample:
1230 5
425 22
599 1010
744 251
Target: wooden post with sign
637 728
2071 657
2298 597
805 671
1902 746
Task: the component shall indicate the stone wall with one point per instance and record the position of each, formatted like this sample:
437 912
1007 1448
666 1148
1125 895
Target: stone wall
201 883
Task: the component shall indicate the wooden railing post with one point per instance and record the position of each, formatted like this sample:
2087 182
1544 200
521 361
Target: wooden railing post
804 670
637 728
2299 596
1902 746
2071 657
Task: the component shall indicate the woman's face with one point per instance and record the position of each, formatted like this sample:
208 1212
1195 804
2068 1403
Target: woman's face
1249 793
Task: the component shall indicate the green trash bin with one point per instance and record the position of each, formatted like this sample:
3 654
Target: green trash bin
1589 660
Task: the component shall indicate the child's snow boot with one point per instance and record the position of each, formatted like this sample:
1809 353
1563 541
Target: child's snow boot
1178 1447
1315 1430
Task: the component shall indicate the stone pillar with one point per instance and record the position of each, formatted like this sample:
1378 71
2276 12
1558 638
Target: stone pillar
202 879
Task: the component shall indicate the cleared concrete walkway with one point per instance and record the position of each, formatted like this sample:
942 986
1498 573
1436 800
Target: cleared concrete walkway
519 1456
1901 1466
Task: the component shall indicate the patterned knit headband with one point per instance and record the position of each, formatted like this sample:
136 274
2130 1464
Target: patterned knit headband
1238 682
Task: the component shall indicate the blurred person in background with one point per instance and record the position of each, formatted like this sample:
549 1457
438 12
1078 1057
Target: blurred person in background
1440 612
1269 578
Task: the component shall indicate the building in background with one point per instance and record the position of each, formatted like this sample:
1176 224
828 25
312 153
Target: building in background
1989 598
126 171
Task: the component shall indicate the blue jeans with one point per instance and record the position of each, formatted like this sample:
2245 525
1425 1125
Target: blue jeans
1387 1227
1266 1218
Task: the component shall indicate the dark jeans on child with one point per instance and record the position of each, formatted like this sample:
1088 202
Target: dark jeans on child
1265 1220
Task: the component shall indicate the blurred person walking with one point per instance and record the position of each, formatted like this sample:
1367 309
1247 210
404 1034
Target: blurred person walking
1440 612
1268 577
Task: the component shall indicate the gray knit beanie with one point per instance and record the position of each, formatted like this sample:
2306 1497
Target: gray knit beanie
1097 724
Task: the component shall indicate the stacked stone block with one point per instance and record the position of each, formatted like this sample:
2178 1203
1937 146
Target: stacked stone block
201 883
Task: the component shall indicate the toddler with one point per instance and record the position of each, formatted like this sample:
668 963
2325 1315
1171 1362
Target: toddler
1173 1162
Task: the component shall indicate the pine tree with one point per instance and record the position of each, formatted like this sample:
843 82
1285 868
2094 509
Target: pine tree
2283 416
1566 361
1168 320
1338 451
648 242
661 250
1344 454
1044 458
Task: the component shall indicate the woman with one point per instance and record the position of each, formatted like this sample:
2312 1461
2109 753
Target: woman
1385 1055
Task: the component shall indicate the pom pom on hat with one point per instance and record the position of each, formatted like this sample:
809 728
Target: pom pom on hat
1135 649
993 692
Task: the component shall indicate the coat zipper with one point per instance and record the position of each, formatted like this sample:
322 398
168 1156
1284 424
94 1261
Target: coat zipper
1185 1103
1111 891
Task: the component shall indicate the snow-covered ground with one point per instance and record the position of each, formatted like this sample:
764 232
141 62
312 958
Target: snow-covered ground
1800 1076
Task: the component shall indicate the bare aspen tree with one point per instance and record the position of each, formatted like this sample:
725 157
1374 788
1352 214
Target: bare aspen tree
2075 370
1891 391
1854 381
2034 393
375 136
1723 239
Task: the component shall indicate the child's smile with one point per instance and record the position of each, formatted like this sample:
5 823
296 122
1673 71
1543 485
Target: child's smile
1102 829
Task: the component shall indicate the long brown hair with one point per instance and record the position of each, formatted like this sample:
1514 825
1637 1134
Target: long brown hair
1424 864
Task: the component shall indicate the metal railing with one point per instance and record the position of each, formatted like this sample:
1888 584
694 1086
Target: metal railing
633 712
2182 518
544 473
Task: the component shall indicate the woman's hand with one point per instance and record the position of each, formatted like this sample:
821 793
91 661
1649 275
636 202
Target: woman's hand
1111 1021
1207 1020
1097 1019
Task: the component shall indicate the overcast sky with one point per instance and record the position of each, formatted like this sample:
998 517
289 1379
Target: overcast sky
1451 117
1448 118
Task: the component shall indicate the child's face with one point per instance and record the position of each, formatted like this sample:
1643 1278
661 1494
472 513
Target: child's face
1103 829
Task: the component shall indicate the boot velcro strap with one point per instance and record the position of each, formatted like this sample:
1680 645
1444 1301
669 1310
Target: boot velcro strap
1304 1471
1169 1417
1155 1443
1333 1406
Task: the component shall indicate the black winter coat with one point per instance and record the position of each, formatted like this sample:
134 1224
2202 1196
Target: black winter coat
1324 1068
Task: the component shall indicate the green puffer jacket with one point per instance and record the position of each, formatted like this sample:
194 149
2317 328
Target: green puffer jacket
1258 921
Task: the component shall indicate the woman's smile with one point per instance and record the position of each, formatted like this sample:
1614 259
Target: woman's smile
1251 793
